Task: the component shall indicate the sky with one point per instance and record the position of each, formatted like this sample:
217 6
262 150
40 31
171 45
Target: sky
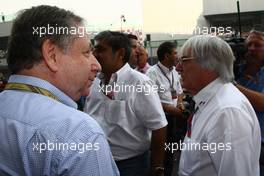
148 15
171 16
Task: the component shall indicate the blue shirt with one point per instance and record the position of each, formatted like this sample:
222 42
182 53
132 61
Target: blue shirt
256 84
42 136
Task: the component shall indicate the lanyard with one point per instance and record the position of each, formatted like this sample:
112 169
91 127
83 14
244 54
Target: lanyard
30 88
171 83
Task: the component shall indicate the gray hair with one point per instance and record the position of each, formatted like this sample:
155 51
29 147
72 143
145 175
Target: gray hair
25 47
253 31
211 53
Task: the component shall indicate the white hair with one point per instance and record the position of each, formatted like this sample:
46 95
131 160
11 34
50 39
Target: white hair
253 31
211 53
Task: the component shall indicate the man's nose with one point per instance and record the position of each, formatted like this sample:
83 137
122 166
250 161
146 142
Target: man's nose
179 67
95 54
96 67
251 47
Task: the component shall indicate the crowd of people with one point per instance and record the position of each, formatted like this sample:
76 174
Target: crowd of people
133 119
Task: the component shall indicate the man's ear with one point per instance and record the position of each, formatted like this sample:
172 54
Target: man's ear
166 55
49 55
121 54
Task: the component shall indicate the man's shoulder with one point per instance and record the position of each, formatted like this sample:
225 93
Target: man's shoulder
230 97
136 76
47 115
39 119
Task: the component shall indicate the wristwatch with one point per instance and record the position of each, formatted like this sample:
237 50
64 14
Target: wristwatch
234 82
158 170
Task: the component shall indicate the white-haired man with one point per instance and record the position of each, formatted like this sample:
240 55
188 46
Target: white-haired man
142 62
252 78
223 136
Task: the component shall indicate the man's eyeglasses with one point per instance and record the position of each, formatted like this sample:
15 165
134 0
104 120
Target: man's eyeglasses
180 60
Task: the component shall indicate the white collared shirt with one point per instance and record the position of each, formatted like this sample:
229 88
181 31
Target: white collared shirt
226 123
130 116
163 83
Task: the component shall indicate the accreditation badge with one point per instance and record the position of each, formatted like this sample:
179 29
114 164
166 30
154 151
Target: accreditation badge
174 94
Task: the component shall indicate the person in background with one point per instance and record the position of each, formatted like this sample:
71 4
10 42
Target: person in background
41 130
142 62
164 75
251 82
223 134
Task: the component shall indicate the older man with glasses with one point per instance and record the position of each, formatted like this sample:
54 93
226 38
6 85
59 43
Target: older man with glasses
223 134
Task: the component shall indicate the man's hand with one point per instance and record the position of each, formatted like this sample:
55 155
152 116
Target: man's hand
157 171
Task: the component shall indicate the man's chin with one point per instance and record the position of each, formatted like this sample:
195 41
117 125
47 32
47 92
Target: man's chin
86 92
184 86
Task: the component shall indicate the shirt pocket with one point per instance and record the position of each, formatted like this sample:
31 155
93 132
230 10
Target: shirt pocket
115 113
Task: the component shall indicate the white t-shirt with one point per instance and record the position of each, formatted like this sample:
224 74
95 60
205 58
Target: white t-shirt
164 83
226 128
130 116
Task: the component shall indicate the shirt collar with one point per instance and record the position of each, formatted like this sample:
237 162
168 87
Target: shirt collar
207 93
122 70
144 69
164 68
116 75
34 81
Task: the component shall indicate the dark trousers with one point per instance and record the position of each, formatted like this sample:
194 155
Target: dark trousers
136 166
176 131
261 160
